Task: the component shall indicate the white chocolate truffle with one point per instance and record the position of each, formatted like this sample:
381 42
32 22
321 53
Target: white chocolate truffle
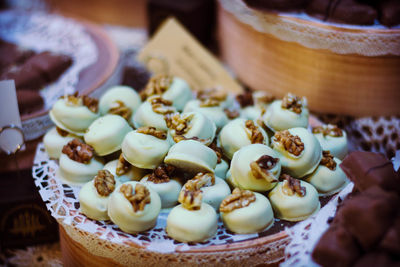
134 173
73 118
92 204
236 135
120 93
221 169
307 160
332 139
54 142
254 218
106 134
179 93
168 191
215 113
278 118
214 194
294 207
242 175
192 225
146 116
197 125
261 102
192 156
76 173
328 181
143 150
122 213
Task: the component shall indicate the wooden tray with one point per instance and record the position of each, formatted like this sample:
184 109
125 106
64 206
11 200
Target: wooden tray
350 84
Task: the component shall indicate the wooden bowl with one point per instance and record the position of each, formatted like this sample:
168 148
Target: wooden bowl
365 82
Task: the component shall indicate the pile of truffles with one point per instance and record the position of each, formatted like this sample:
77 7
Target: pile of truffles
204 155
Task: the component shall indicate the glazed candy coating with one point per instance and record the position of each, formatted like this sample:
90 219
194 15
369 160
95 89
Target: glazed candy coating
106 134
259 213
278 118
221 169
192 225
125 94
134 173
241 174
121 212
179 93
77 173
168 191
145 116
215 113
337 146
54 142
213 195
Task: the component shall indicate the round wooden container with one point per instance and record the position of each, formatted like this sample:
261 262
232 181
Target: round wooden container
341 70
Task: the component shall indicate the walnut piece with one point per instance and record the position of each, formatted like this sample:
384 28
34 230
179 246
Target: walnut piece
254 133
330 129
119 108
91 103
161 174
217 150
261 167
161 105
238 199
178 138
123 166
150 130
189 199
211 97
291 143
78 151
327 160
292 102
245 99
178 122
62 132
104 183
265 98
141 197
231 113
292 186
200 180
73 100
157 85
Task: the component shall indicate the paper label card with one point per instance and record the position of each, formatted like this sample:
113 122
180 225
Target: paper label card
175 51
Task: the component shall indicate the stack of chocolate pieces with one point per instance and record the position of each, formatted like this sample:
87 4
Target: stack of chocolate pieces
366 228
31 72
359 12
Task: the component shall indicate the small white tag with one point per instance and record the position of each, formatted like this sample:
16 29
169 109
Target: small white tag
9 115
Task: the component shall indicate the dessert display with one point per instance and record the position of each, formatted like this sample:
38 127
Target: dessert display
134 207
293 199
94 195
106 134
328 178
54 141
78 164
123 171
193 220
254 104
299 151
239 133
365 229
332 139
145 147
290 112
244 206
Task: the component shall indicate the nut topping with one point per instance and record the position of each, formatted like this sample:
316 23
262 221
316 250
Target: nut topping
261 167
104 183
217 150
189 199
292 102
157 85
245 99
238 199
123 166
254 133
78 151
291 143
211 97
73 100
327 160
199 181
150 130
62 132
161 174
231 113
119 108
161 105
141 197
178 138
292 186
330 129
178 122
91 103
265 98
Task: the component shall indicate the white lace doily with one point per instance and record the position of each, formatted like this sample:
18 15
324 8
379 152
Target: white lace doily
45 32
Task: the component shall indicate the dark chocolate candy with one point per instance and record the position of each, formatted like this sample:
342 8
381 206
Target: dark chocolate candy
377 259
29 101
279 5
389 12
336 247
391 240
11 55
135 77
367 216
368 169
